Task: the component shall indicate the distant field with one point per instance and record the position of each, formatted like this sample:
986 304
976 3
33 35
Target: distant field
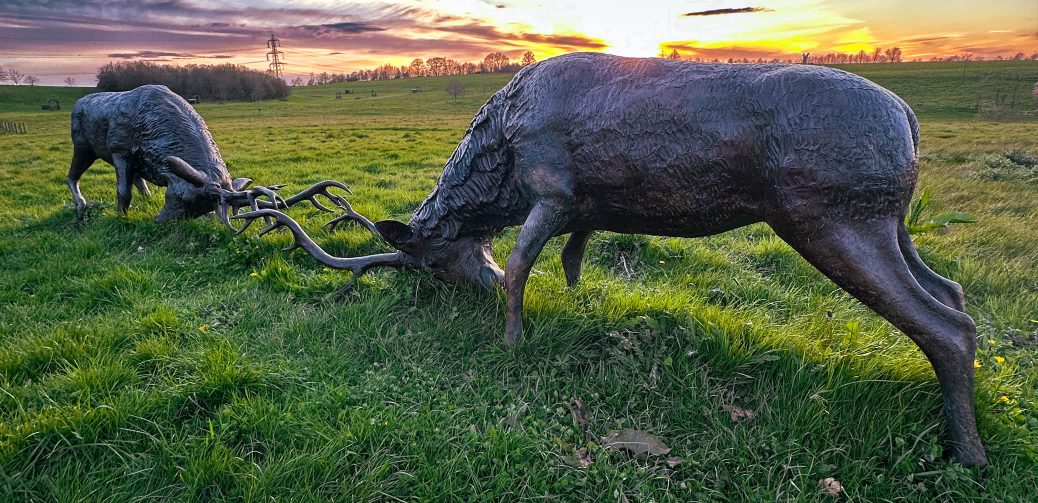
155 362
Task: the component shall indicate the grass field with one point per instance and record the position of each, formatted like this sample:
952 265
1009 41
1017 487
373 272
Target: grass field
177 362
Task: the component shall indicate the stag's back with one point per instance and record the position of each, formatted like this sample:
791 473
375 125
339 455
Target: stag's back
715 143
147 123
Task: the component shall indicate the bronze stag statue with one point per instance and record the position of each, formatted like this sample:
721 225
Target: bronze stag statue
151 134
587 142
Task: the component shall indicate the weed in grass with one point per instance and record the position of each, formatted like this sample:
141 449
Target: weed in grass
1012 166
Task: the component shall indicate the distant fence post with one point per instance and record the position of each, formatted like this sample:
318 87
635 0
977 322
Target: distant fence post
13 127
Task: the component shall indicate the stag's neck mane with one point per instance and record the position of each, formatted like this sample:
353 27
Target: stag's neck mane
477 194
170 126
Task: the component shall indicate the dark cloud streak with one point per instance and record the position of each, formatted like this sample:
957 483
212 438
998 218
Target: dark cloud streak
721 12
166 54
352 27
151 55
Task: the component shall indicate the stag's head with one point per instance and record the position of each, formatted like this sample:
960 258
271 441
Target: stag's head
465 259
190 193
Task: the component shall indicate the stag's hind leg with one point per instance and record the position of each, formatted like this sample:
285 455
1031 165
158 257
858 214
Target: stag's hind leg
142 186
864 258
124 179
573 256
82 159
941 288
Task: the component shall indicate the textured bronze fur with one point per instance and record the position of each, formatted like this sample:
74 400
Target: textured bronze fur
136 131
588 142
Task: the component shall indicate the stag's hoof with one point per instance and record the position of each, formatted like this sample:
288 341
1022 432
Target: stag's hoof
84 210
513 334
970 455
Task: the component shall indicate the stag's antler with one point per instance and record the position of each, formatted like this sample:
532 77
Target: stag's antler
231 201
321 189
356 265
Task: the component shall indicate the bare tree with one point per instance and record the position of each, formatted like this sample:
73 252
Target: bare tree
966 58
387 71
494 62
298 81
69 81
455 88
32 80
674 54
893 54
3 75
15 76
528 59
437 66
417 68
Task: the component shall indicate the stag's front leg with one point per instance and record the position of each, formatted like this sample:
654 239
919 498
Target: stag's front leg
82 159
543 222
123 182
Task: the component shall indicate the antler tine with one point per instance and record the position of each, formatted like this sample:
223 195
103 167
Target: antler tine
231 201
321 189
351 215
221 213
356 265
256 193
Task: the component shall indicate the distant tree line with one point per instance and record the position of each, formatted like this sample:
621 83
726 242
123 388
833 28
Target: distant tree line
972 57
878 55
208 82
495 62
16 77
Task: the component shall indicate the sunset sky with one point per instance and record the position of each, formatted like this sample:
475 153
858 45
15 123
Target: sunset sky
53 39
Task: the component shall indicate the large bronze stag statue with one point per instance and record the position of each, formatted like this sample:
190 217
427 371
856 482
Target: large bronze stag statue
151 134
587 142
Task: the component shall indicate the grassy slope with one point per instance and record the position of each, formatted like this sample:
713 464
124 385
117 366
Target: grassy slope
142 361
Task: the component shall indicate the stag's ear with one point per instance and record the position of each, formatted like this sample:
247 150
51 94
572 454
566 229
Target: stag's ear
397 234
182 169
241 183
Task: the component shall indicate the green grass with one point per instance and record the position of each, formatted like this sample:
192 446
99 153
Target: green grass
143 361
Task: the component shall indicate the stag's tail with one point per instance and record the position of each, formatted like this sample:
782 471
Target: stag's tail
913 123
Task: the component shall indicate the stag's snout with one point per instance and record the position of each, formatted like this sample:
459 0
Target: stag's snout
463 260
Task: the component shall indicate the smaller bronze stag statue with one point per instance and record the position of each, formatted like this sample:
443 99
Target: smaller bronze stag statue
151 134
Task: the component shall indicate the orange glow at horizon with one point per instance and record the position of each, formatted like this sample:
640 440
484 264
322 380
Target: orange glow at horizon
69 37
